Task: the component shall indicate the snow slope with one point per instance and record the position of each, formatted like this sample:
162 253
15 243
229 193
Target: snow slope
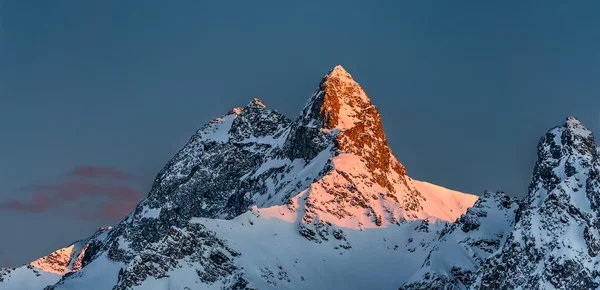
555 241
50 269
464 245
262 250
256 200
438 197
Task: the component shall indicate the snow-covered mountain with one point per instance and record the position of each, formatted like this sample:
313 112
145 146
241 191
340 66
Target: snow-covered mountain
555 241
550 241
464 245
258 201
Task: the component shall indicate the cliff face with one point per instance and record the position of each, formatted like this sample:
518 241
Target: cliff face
326 182
75 256
60 263
555 241
332 164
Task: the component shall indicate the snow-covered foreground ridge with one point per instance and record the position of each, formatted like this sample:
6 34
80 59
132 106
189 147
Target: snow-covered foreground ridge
258 201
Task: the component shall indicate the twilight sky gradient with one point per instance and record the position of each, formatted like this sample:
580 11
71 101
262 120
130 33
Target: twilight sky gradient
96 96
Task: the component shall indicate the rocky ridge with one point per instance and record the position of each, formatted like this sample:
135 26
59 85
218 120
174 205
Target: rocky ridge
59 263
224 211
555 241
463 246
328 170
332 164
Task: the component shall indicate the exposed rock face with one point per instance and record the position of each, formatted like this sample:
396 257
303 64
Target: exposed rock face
330 169
554 244
341 104
367 187
50 269
73 257
332 165
194 245
224 211
206 177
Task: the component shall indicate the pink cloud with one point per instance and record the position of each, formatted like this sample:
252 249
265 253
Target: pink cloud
40 202
90 171
69 190
111 210
116 210
94 199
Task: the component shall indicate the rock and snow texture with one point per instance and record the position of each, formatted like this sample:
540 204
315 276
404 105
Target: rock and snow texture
555 241
327 172
550 241
332 166
49 269
365 185
261 249
465 244
256 200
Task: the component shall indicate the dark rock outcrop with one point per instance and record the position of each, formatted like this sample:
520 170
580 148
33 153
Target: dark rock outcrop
555 240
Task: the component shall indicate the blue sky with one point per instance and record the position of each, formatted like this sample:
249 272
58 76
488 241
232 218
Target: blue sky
96 96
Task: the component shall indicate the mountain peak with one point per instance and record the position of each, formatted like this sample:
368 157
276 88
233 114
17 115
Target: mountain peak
572 119
555 231
570 138
339 103
577 129
256 103
339 72
574 123
563 152
236 111
340 109
258 174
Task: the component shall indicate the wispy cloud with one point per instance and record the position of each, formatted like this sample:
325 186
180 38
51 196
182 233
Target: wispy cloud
40 202
69 190
96 192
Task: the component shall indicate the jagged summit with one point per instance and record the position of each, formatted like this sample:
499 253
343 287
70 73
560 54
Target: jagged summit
555 241
567 165
563 152
339 72
339 103
236 111
256 103
257 201
253 104
574 133
339 115
281 182
344 105
573 119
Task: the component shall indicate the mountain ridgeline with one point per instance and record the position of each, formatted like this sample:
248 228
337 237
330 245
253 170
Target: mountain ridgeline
256 200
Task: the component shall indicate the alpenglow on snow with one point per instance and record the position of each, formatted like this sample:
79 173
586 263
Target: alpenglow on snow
256 200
